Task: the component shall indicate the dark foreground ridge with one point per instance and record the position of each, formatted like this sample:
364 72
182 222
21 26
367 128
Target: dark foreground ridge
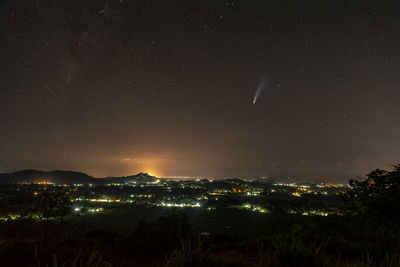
144 221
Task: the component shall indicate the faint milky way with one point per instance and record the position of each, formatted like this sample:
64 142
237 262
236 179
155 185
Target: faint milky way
86 84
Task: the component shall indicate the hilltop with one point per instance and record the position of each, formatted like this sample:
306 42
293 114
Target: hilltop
69 177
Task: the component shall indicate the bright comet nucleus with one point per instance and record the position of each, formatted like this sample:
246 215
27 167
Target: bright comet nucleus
260 88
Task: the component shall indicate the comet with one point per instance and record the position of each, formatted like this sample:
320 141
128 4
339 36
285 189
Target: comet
260 88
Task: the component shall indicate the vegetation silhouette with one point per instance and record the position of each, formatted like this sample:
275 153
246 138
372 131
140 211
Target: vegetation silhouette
366 234
377 198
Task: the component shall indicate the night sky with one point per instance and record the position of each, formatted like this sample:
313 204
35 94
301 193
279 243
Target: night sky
167 87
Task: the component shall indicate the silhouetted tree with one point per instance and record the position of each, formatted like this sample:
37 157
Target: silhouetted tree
378 196
52 203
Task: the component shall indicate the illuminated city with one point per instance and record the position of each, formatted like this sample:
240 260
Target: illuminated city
196 133
148 191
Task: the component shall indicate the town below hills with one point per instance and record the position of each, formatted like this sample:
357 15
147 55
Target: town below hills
69 177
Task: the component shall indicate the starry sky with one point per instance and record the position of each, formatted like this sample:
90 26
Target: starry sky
115 87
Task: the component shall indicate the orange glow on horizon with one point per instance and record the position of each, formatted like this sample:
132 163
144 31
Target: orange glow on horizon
151 172
154 165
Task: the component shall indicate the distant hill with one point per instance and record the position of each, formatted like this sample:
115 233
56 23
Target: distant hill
56 177
137 178
70 177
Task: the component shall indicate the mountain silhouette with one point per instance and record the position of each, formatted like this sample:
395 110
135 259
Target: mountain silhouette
70 177
138 178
